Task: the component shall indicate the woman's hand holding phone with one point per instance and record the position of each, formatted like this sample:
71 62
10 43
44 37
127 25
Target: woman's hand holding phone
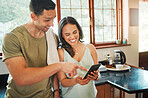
94 75
93 72
82 81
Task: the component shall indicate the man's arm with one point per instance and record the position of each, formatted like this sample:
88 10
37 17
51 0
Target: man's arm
24 75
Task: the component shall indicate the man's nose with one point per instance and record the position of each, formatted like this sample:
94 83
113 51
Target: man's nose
51 23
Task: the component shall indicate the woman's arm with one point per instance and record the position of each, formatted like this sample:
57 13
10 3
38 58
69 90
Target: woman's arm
95 59
65 82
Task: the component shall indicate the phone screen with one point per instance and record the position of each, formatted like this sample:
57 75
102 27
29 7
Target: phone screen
92 69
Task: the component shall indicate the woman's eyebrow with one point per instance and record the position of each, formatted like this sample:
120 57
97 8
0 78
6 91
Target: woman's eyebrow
74 30
68 33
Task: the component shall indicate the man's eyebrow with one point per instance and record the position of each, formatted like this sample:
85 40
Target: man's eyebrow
50 17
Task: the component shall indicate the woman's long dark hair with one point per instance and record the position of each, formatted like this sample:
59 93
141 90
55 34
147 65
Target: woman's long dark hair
64 44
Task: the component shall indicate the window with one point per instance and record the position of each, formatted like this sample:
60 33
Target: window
100 20
143 26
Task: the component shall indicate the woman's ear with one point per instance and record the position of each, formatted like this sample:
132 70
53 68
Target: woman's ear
33 16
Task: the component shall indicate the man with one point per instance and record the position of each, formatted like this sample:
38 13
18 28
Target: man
25 55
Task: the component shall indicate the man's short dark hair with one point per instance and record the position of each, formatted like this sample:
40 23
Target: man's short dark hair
38 6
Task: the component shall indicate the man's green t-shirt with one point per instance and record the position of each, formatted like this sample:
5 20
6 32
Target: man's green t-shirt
20 43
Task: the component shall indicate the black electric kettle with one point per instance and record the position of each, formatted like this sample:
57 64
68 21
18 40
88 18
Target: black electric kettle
119 57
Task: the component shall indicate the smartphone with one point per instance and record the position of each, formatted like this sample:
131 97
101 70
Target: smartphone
92 69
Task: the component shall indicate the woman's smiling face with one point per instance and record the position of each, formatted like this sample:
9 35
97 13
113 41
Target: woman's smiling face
71 34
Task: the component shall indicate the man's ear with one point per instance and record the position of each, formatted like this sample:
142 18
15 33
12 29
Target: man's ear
33 16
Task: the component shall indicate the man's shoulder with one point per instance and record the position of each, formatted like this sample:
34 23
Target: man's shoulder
18 29
15 34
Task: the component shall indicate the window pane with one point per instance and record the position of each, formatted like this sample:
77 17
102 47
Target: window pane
65 3
108 34
84 3
107 4
107 17
65 12
75 3
85 17
76 13
113 17
143 26
98 4
98 17
114 33
99 34
86 33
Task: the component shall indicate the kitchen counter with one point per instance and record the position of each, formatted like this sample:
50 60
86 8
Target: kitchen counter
131 81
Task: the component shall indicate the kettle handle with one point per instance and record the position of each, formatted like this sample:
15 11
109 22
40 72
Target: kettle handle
122 57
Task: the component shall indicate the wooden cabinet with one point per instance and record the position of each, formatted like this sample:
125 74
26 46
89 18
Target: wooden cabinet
143 56
104 91
108 91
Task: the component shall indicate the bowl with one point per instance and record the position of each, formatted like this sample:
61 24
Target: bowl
119 66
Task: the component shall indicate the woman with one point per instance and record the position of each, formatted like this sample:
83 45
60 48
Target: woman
73 50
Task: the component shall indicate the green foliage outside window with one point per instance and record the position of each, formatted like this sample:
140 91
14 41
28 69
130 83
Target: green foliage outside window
12 14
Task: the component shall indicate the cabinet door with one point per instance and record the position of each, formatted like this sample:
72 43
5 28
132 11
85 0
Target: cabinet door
104 91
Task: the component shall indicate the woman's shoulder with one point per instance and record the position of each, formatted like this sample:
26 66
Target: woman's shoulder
90 46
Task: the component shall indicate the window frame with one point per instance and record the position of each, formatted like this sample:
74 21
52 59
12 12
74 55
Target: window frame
119 35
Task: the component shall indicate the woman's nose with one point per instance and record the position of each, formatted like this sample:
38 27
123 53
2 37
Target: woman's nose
71 36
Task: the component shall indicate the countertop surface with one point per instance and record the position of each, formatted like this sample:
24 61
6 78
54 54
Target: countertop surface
133 80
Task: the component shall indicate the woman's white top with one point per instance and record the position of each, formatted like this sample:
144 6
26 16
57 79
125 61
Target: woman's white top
79 91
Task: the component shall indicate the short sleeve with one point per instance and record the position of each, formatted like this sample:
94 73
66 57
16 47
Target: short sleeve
11 46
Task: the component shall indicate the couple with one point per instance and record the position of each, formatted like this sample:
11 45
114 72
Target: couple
28 50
